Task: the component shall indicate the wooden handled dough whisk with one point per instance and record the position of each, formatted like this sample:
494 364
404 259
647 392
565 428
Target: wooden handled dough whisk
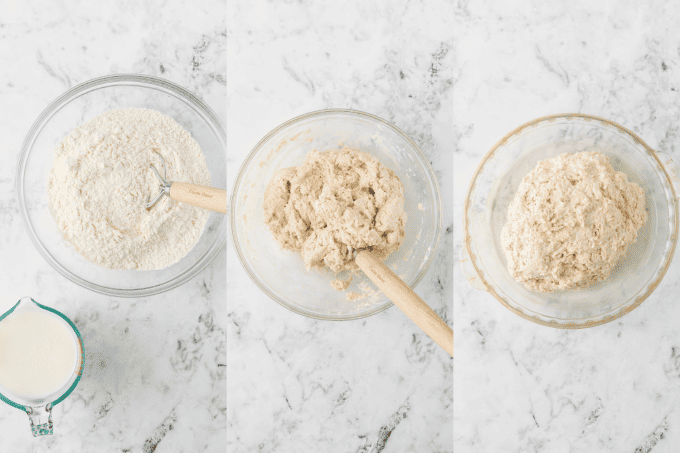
200 196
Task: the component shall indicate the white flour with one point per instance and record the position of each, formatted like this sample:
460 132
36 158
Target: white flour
100 182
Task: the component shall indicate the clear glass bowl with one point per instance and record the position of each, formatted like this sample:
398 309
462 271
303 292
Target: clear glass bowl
494 185
75 107
281 273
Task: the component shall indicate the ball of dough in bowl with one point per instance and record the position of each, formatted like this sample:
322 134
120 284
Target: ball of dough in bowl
572 218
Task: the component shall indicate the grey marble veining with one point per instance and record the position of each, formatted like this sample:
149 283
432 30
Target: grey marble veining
526 388
155 367
371 385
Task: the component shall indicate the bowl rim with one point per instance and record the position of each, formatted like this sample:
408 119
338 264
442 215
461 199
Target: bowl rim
467 236
118 79
251 156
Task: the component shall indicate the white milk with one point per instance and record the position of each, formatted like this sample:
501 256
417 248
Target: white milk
38 353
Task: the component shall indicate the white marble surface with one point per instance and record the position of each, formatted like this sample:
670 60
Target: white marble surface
521 387
372 385
155 367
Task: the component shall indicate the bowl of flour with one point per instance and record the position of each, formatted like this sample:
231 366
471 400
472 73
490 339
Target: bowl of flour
490 222
84 177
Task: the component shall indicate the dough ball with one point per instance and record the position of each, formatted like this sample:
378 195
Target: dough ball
571 220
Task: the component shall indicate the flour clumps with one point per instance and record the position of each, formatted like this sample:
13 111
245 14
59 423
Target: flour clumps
340 284
337 202
572 218
100 182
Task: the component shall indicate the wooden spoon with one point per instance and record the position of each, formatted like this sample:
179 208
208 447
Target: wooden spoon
406 299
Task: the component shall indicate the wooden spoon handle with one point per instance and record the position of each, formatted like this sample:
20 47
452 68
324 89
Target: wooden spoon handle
406 299
201 196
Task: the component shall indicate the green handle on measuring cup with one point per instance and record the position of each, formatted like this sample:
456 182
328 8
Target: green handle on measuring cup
41 414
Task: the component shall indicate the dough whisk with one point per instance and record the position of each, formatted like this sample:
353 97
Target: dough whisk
200 196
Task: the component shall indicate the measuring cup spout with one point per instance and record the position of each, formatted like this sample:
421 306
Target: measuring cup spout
23 302
26 302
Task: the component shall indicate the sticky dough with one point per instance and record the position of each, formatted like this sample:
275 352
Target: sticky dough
571 220
335 203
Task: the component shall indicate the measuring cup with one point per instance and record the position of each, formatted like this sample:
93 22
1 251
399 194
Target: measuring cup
38 406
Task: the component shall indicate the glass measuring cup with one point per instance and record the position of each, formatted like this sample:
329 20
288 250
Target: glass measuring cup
39 406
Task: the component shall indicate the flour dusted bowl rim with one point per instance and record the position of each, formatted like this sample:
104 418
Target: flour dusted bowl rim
80 104
493 185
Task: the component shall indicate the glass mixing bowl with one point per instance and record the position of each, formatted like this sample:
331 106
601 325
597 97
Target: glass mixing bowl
75 107
281 273
494 185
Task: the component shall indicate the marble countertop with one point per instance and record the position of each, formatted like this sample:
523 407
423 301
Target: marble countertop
155 367
373 385
521 387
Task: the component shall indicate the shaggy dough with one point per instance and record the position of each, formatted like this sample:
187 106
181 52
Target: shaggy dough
335 203
571 220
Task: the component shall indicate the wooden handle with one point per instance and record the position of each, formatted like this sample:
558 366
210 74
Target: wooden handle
201 196
406 299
